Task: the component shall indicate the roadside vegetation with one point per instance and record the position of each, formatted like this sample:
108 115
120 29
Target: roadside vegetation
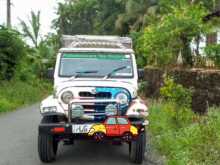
187 139
23 66
179 134
14 94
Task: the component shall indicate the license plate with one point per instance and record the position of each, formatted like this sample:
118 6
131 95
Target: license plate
81 128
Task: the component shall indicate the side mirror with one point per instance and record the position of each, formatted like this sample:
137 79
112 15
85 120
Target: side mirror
140 74
50 73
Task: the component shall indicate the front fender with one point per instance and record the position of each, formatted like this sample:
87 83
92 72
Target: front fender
97 128
137 109
52 102
133 130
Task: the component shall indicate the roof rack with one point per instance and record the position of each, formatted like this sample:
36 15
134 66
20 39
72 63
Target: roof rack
92 41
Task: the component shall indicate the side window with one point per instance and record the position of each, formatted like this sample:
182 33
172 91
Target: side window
122 121
111 121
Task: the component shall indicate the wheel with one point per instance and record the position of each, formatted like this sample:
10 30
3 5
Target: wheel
137 149
47 148
127 137
99 136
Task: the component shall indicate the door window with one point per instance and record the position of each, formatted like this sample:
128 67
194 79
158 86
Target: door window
111 121
122 121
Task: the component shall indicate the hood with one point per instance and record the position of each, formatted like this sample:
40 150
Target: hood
96 83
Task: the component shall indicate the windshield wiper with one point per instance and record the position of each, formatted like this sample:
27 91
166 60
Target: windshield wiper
114 71
78 74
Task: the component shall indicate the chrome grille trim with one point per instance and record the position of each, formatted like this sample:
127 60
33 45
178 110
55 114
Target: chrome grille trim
94 101
99 95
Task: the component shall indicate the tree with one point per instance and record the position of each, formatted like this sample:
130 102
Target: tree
107 14
118 17
87 17
173 33
134 17
76 17
32 30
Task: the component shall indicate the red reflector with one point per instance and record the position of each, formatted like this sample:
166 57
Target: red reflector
58 130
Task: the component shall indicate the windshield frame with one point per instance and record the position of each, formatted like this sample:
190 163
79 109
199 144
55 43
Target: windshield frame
101 76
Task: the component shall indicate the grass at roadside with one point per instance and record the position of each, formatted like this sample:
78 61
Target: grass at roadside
15 94
183 137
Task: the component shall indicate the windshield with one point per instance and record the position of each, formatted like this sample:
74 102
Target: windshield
95 65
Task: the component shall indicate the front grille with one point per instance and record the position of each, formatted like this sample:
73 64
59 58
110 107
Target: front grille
95 108
99 95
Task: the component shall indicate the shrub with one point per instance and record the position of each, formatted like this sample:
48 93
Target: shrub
5 105
196 140
16 93
213 52
12 48
176 93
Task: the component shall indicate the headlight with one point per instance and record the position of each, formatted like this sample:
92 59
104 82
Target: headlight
122 98
67 97
49 109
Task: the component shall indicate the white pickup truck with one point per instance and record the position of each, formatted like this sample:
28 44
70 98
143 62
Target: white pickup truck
95 97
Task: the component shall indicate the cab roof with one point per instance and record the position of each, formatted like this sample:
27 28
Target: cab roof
104 50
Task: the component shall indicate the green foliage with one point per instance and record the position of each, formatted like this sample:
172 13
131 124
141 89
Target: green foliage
164 39
106 16
5 105
213 52
22 66
44 56
134 17
176 93
24 71
87 17
141 61
196 140
142 88
12 50
32 30
16 93
38 60
103 16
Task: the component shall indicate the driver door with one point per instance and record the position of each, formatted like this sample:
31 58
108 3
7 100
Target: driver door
112 127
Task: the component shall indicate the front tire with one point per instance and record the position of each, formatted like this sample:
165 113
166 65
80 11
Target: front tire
137 149
47 148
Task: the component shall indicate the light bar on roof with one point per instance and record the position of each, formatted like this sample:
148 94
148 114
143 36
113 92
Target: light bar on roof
90 41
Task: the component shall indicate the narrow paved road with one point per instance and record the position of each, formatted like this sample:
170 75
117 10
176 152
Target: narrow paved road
18 144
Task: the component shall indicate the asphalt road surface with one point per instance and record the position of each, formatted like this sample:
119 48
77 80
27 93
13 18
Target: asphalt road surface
18 144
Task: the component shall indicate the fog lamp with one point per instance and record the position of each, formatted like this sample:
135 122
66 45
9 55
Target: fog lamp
111 110
77 111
